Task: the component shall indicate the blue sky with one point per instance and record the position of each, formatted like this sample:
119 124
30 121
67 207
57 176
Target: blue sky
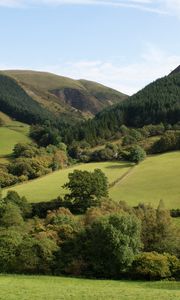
124 44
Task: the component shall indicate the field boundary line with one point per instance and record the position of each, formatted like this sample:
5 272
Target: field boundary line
120 179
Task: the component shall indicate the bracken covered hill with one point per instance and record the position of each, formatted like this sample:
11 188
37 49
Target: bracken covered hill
65 97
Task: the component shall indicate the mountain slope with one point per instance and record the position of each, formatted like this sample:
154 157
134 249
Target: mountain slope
62 95
16 103
158 102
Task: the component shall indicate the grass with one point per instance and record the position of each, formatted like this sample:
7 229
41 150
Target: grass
9 137
57 288
43 80
50 186
177 221
11 133
154 179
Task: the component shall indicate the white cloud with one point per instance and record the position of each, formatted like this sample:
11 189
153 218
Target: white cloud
125 77
155 6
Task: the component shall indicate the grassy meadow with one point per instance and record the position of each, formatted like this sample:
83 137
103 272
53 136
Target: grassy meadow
155 178
50 186
57 288
11 133
9 137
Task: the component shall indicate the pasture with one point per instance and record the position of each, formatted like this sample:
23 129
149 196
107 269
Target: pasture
57 288
154 179
50 186
11 133
9 137
158 177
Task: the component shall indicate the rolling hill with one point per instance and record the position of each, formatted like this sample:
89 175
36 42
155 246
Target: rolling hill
63 96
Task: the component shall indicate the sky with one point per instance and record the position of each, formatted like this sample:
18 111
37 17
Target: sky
124 44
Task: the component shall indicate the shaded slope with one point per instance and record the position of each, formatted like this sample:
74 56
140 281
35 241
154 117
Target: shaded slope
15 102
64 95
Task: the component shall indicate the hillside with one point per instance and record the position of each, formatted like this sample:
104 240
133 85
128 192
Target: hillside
143 183
158 102
64 96
11 133
16 103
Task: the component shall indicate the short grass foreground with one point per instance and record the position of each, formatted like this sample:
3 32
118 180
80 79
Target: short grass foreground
57 288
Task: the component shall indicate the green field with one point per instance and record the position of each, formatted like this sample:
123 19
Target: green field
12 133
50 186
177 221
9 137
154 179
57 288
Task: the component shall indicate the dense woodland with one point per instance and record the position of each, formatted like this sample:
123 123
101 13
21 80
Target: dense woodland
156 103
95 237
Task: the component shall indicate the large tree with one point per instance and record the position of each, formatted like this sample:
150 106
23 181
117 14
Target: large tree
105 249
86 188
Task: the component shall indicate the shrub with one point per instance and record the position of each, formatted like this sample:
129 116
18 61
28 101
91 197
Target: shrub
136 154
155 266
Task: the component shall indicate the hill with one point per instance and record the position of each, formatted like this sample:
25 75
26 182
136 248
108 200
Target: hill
158 102
154 179
64 96
16 103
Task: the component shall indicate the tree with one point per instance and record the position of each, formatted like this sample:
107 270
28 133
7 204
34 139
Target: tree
25 150
86 188
158 231
136 154
35 255
151 266
10 238
10 215
106 248
14 198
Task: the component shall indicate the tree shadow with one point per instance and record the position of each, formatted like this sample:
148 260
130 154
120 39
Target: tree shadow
125 165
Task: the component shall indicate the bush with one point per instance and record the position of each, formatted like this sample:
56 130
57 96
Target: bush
155 266
35 256
136 154
21 202
170 141
7 179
